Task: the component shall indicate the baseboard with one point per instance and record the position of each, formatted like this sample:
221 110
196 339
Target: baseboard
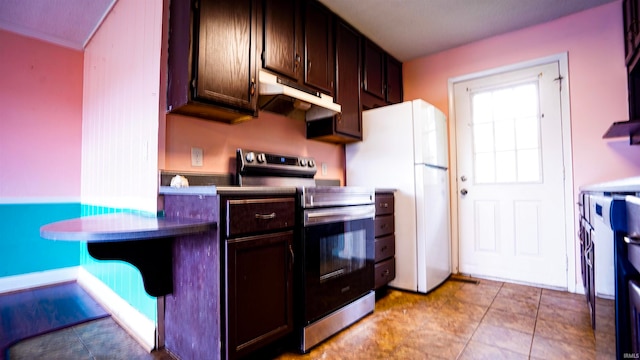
141 328
37 279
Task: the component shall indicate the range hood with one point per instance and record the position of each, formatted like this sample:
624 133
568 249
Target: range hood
287 98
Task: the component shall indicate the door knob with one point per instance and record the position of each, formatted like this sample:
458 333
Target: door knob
463 191
463 178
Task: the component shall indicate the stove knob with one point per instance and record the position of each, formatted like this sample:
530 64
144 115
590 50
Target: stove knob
250 157
311 163
302 162
261 158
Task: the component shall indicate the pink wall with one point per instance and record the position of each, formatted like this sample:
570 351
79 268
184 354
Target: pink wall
593 40
41 121
269 132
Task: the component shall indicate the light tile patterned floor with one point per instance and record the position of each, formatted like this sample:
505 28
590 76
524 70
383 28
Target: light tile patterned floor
488 320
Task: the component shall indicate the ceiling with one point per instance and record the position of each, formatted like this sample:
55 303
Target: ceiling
407 29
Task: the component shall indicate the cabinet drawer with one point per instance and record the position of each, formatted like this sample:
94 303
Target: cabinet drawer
385 272
258 215
384 225
384 204
385 247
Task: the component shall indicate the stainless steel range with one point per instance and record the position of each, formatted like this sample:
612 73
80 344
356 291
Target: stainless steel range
334 249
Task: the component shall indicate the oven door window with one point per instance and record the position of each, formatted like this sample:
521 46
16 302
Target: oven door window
342 254
339 266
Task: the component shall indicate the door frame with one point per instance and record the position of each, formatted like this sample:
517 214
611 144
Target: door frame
571 251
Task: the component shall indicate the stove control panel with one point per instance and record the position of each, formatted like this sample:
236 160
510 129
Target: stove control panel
252 161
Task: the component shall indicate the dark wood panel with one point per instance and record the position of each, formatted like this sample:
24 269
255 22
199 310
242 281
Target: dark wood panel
225 38
385 247
258 215
259 294
212 59
384 204
348 80
318 46
385 271
373 69
384 225
282 28
394 80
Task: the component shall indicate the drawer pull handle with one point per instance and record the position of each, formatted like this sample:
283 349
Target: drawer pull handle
632 240
385 273
384 248
266 216
384 205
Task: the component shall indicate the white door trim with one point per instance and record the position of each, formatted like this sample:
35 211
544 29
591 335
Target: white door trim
570 229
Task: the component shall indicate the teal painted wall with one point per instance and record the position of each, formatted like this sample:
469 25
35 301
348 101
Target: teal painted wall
121 277
22 250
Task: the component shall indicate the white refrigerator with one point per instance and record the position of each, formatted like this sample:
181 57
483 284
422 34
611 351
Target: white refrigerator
405 148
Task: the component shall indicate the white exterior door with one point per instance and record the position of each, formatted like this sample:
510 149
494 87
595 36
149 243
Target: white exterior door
510 177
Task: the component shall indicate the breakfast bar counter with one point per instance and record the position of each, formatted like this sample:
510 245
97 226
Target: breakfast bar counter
144 241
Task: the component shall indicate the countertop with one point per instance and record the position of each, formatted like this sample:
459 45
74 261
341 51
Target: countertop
122 227
228 190
627 185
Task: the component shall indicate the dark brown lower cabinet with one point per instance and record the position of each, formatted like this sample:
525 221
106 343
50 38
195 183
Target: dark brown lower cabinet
257 276
259 291
385 244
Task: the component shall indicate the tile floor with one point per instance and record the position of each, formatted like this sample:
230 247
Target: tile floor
488 320
459 320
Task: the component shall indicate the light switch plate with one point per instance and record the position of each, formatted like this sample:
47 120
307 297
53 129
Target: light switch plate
197 156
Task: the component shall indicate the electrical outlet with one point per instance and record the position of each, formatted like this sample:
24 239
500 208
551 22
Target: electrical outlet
324 168
197 156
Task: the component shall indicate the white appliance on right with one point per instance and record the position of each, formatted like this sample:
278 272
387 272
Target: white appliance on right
405 148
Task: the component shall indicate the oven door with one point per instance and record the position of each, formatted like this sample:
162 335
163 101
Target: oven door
338 248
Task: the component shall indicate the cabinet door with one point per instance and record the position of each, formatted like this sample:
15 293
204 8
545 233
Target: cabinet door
282 29
259 293
394 80
318 47
225 71
348 80
373 70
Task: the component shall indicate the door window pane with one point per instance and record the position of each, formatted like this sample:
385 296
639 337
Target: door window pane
506 134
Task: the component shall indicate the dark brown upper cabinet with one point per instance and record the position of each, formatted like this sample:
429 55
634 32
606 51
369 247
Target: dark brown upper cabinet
381 77
282 34
631 17
212 59
347 126
373 69
394 80
318 47
298 42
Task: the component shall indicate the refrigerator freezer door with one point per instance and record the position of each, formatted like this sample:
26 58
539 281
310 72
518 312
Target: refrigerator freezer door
433 222
430 135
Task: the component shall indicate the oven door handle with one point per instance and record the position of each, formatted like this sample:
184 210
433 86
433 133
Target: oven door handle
331 215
